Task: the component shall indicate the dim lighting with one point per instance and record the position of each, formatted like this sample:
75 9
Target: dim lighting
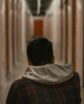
69 8
39 6
2 9
11 12
79 6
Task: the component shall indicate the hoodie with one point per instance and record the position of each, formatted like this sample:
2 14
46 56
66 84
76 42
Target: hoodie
50 74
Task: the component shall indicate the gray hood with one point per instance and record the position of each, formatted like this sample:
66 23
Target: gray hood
49 74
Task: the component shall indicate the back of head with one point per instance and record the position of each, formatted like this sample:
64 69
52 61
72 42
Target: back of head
40 51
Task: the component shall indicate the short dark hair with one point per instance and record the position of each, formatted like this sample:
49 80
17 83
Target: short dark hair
40 51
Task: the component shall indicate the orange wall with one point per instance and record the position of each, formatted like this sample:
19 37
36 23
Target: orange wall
38 27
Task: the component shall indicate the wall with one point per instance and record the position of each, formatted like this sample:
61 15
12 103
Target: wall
53 32
52 27
38 27
12 44
80 34
2 47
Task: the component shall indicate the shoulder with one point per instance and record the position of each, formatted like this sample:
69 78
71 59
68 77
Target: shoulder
16 91
74 82
76 77
19 83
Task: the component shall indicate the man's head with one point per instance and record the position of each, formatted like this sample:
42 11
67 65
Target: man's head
40 52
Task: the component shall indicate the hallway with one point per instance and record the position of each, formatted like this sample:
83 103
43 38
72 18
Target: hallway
60 21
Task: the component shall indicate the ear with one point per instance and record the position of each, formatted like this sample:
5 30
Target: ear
53 60
30 63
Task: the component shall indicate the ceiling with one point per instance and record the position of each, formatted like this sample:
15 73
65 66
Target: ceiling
33 5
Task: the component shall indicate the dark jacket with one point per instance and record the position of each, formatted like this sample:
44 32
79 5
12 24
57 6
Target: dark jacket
25 91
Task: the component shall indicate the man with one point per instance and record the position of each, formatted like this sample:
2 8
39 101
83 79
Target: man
45 82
